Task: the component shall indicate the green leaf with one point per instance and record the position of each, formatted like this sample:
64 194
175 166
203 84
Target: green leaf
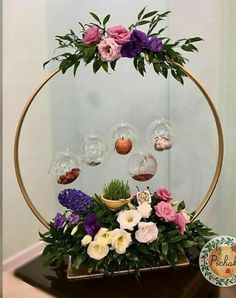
194 39
141 13
140 23
187 243
164 248
176 239
104 65
150 14
157 67
113 64
181 205
97 65
76 66
186 48
165 72
106 19
95 17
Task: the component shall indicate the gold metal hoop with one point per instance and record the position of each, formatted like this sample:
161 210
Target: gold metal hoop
194 213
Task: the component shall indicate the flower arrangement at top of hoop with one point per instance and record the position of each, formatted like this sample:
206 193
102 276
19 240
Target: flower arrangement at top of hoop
105 46
151 230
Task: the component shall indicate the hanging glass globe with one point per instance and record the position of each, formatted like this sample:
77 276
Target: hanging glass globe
65 167
159 135
124 137
142 166
93 149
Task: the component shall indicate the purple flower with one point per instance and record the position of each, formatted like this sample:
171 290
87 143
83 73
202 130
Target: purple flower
73 219
130 49
75 200
139 37
59 221
91 224
155 44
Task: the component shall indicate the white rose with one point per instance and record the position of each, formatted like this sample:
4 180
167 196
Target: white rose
147 232
145 209
128 219
120 240
86 240
104 236
186 216
97 250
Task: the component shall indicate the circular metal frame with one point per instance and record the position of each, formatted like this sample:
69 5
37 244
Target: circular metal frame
51 75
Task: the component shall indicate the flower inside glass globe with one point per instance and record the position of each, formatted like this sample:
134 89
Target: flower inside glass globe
65 167
93 149
142 166
159 135
124 137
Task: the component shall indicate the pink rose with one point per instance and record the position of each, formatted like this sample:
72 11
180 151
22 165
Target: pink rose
165 211
92 35
181 222
119 33
164 194
109 50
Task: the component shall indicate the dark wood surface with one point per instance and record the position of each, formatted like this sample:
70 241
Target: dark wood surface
184 282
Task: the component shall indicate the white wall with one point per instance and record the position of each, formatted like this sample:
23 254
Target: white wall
64 111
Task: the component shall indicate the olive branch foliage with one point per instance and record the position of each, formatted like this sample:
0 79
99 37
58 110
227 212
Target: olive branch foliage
169 60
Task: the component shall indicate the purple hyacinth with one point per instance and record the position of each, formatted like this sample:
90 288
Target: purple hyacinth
59 221
73 219
155 44
91 224
75 200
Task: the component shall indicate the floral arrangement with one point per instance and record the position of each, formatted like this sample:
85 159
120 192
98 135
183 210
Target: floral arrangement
152 230
104 46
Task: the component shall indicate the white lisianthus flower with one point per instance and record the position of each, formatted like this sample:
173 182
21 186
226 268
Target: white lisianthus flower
120 240
104 236
147 232
145 209
86 240
97 250
186 215
128 219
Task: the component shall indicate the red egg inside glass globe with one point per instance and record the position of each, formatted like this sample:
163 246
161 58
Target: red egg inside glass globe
123 145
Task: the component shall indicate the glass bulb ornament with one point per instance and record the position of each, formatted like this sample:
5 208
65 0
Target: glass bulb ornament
65 167
124 137
159 135
93 149
142 166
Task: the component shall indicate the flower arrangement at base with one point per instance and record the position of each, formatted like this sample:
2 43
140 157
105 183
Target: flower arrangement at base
152 231
103 46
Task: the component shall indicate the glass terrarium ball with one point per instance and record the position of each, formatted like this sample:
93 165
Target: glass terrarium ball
65 167
142 166
160 135
93 149
124 137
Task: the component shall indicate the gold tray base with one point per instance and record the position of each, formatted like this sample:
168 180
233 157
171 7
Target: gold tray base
82 273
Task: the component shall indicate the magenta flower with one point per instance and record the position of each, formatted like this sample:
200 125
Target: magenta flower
92 35
165 211
164 194
181 222
119 33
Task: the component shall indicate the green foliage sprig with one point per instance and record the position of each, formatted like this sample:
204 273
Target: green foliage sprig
168 60
116 189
